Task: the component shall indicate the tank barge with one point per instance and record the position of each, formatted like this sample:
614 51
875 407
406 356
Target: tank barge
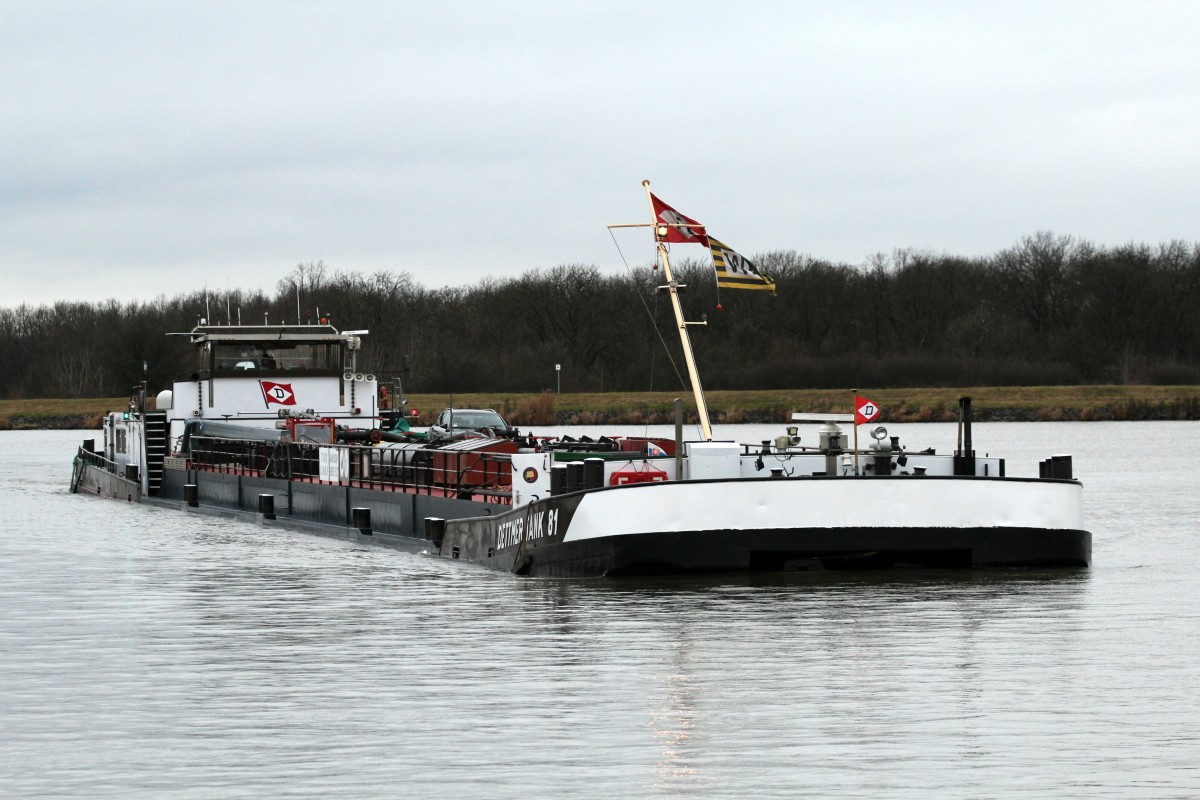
263 431
277 425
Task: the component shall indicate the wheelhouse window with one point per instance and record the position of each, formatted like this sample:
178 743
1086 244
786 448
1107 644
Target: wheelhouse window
239 358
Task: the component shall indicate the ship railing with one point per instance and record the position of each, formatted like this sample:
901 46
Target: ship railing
96 459
233 456
445 473
467 474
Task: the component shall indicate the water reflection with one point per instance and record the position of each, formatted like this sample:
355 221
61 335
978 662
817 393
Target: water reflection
910 585
812 664
681 736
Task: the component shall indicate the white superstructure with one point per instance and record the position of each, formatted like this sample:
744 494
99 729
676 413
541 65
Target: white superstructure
257 375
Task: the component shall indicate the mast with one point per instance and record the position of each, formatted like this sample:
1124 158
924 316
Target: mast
660 237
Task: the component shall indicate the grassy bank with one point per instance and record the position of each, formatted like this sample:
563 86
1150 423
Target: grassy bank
1016 403
56 413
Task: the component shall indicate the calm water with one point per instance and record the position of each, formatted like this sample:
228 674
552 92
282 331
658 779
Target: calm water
149 653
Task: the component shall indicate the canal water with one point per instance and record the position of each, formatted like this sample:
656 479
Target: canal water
146 653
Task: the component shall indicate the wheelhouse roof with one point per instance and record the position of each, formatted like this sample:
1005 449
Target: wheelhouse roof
264 333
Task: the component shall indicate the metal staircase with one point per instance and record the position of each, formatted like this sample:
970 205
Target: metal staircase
156 449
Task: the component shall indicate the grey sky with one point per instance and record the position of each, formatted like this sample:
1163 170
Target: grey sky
151 147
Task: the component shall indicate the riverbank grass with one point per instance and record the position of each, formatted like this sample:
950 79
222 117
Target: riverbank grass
1015 403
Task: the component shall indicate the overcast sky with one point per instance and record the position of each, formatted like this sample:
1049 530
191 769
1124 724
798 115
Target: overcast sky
152 147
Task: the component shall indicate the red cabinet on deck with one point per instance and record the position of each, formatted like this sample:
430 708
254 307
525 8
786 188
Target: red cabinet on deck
467 463
637 473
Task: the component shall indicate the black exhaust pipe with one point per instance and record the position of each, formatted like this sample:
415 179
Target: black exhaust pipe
964 459
964 403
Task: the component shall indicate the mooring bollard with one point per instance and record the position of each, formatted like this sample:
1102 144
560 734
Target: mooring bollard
593 473
191 495
435 530
1060 467
360 518
558 479
574 476
266 506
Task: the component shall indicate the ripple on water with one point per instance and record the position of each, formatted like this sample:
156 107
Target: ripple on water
147 653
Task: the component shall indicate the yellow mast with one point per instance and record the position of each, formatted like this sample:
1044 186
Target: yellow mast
660 236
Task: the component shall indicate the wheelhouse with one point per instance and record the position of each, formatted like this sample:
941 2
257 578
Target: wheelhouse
235 351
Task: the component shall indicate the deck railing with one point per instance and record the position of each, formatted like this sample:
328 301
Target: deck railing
96 459
467 474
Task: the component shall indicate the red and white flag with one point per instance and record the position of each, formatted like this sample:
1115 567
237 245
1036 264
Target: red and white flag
695 234
280 393
864 410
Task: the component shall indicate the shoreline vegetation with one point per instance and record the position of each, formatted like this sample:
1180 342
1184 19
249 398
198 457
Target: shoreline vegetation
1049 311
990 404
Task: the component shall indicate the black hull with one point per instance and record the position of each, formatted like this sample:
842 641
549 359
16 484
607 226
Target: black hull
800 550
393 513
578 535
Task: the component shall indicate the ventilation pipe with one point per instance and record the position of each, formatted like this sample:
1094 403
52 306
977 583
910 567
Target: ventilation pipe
964 457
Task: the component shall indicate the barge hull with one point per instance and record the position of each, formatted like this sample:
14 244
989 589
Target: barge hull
90 479
398 521
812 549
329 504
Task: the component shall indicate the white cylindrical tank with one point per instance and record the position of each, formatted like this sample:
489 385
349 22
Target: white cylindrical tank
164 400
389 459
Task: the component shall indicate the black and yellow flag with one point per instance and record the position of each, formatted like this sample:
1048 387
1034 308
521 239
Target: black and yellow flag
735 271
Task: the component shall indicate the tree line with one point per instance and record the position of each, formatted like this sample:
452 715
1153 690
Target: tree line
1049 310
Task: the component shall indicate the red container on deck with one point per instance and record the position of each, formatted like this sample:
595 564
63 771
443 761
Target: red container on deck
647 445
637 473
322 430
465 463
